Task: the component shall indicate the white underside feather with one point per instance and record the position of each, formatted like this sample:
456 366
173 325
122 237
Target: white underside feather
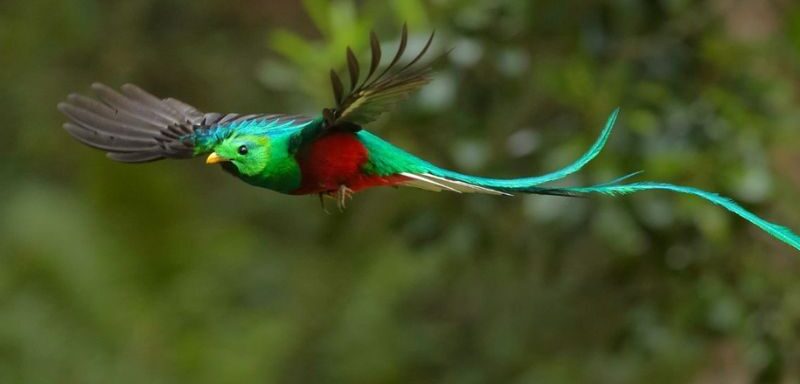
437 183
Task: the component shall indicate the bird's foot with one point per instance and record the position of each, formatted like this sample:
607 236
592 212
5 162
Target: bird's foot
322 202
343 194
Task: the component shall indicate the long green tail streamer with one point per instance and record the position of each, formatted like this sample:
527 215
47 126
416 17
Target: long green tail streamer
780 232
615 187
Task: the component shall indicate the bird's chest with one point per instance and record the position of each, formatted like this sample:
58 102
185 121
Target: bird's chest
330 162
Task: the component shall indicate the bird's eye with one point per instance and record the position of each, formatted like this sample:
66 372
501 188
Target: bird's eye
242 150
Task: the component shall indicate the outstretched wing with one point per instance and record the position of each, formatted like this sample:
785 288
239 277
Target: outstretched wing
370 97
135 126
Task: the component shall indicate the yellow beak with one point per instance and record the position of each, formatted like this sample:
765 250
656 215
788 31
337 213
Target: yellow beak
213 158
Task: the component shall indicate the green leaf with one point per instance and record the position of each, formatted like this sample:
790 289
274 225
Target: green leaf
320 13
409 11
292 46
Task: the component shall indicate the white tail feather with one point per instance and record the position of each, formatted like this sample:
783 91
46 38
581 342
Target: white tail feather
437 183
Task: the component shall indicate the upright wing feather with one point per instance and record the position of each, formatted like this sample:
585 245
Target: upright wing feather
135 126
370 97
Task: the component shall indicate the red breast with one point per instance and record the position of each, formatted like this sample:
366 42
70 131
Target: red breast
334 160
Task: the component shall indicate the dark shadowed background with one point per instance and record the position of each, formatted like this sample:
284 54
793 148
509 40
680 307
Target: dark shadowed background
174 272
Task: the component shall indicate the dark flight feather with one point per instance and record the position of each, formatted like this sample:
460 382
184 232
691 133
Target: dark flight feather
338 87
375 46
370 97
135 126
352 66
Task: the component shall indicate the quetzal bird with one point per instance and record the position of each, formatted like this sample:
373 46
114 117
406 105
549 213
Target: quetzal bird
328 155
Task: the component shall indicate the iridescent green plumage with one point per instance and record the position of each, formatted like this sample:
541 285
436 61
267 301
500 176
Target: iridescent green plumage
328 155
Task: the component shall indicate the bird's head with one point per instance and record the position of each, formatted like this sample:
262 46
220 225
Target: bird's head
250 154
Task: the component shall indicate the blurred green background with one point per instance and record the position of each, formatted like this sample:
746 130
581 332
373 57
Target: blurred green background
173 272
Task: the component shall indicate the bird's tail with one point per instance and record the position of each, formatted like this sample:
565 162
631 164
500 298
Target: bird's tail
533 185
780 232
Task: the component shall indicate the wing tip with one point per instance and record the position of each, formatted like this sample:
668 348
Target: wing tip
98 86
63 107
131 123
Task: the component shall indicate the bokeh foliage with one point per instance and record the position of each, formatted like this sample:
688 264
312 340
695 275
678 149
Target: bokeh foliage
174 272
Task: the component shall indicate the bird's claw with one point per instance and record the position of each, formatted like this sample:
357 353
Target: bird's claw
322 203
341 195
